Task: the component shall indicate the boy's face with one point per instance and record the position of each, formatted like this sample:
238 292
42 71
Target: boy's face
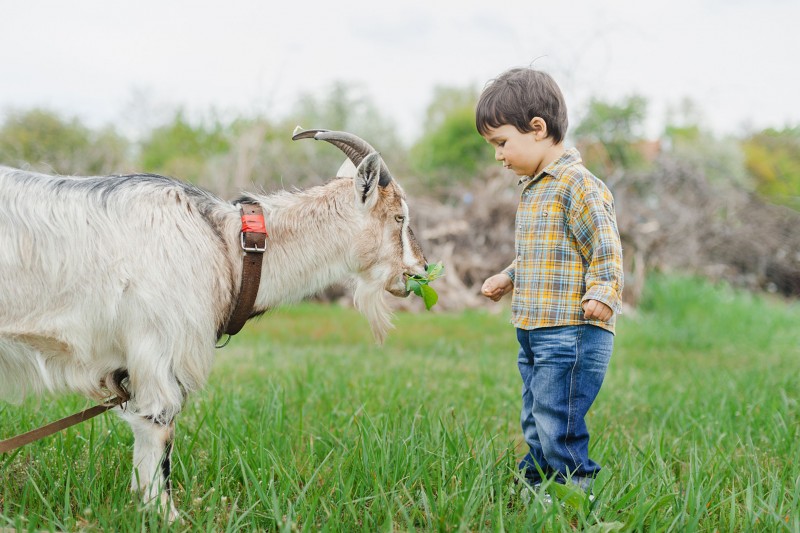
523 153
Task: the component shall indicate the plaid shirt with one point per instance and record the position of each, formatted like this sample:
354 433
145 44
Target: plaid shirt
568 247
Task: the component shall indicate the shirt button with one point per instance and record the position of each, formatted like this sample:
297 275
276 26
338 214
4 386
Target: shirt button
516 290
519 258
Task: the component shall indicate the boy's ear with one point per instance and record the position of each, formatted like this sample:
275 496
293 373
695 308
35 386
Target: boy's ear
539 127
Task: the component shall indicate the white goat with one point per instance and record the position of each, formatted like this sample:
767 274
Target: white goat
129 280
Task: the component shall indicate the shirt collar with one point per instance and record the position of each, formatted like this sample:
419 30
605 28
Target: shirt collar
570 157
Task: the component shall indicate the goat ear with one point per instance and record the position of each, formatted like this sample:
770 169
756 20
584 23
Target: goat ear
368 174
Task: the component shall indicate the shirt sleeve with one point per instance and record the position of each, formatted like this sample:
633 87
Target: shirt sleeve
594 225
511 271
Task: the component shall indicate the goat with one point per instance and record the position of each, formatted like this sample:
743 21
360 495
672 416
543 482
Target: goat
129 280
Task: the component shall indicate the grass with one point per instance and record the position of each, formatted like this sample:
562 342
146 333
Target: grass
306 425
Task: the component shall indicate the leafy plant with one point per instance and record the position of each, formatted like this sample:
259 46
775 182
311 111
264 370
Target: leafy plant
420 285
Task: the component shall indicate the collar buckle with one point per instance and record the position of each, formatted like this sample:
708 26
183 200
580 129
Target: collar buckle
254 246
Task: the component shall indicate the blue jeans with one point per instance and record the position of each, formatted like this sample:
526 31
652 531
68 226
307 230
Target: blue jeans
562 369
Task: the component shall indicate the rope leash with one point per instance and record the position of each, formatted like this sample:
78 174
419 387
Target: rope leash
26 438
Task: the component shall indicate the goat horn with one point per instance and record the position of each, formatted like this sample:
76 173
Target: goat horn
354 147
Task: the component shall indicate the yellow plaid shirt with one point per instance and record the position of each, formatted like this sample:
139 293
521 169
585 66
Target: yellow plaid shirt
568 247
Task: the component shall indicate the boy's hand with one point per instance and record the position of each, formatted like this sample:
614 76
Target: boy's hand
595 310
497 286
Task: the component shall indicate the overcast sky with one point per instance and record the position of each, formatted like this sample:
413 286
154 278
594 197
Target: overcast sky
94 59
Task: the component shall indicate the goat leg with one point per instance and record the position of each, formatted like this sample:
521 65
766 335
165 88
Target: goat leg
152 456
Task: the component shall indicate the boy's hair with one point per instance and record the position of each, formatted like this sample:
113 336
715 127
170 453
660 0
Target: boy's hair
516 97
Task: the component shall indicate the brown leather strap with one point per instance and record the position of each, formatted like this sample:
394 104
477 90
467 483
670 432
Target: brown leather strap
254 242
44 431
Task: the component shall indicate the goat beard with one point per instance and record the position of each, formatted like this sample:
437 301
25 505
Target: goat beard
369 300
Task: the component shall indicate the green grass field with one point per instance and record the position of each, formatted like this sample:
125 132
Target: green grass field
306 425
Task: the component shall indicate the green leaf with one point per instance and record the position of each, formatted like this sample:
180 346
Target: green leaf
435 270
429 296
414 286
418 284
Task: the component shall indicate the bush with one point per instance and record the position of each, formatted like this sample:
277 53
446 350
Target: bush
773 158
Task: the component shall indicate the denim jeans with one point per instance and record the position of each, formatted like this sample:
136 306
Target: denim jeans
562 369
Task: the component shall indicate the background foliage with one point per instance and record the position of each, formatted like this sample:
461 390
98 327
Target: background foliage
685 195
47 141
231 152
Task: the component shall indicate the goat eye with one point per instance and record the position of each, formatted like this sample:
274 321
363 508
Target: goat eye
399 218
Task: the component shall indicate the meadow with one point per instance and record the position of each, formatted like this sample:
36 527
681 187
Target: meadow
307 425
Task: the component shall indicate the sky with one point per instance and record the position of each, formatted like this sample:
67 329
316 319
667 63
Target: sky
105 61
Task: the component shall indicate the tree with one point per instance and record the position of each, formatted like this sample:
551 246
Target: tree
720 159
45 141
609 132
344 107
181 149
451 150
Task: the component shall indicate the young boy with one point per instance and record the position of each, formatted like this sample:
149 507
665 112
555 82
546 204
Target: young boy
566 277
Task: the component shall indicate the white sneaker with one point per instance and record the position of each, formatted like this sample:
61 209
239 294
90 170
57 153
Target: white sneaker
528 493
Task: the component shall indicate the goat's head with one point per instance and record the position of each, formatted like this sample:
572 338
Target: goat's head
386 251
